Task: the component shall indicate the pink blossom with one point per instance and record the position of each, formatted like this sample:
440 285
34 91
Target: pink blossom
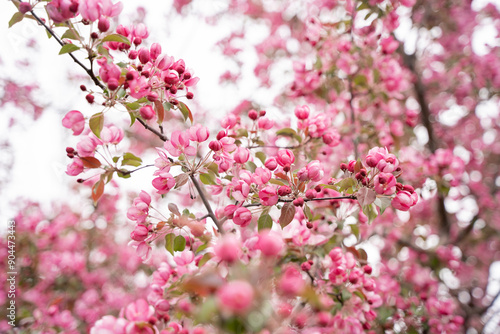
404 200
239 190
389 164
144 251
261 175
229 121
198 133
331 138
228 144
241 155
139 311
375 155
75 121
270 244
75 168
87 146
164 182
268 196
109 324
389 45
242 216
313 171
112 135
109 72
143 55
139 233
285 158
385 184
271 164
62 10
179 144
236 297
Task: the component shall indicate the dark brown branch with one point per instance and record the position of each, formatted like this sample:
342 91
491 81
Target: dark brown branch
410 63
131 171
305 200
89 71
153 130
205 202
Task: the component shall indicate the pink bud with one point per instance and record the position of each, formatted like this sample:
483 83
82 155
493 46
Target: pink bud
143 55
268 196
215 145
147 112
284 190
242 216
302 112
228 249
285 158
103 24
271 164
253 115
24 7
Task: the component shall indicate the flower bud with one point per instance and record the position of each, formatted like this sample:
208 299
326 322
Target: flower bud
215 145
144 55
155 51
24 7
271 164
147 112
103 24
298 201
253 115
284 190
139 233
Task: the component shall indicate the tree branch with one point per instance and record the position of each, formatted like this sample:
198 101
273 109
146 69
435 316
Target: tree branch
153 130
305 200
207 205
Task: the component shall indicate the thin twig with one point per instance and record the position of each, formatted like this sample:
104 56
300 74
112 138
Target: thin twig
285 200
89 71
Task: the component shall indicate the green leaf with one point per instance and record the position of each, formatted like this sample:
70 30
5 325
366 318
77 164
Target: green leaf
96 123
261 156
115 159
116 38
133 105
169 242
383 203
186 112
287 214
265 222
206 178
67 48
307 212
204 259
251 166
131 160
345 184
355 230
346 295
286 132
366 196
70 34
242 133
360 80
179 243
121 174
202 247
370 211
360 295
132 118
17 17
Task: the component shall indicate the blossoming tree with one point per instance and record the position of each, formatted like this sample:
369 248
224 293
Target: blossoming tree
333 218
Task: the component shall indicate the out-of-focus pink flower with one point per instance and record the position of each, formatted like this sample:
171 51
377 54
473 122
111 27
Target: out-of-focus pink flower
229 121
92 10
62 10
261 175
228 249
268 196
331 138
179 144
270 244
140 209
139 311
302 112
184 258
75 121
109 324
87 146
265 123
291 282
236 297
389 45
75 168
139 233
404 200
242 216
